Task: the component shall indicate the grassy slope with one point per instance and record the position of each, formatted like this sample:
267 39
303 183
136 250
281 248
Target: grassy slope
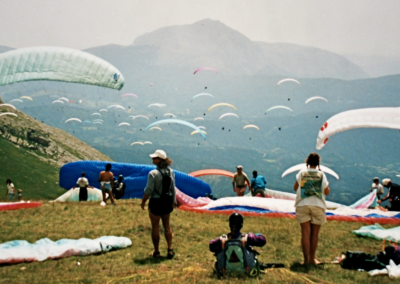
36 178
192 233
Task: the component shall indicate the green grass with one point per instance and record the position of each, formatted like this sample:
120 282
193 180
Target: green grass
192 233
36 178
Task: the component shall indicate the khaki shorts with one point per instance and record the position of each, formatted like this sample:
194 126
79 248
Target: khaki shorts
314 213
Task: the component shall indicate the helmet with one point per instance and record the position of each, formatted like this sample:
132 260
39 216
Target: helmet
121 177
236 219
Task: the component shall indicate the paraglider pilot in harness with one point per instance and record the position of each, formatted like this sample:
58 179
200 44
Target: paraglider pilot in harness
119 188
393 194
234 251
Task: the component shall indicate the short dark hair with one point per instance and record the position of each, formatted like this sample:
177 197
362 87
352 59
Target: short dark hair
255 173
108 167
8 181
83 174
313 159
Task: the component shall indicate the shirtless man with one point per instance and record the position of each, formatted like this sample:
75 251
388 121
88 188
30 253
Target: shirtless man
106 179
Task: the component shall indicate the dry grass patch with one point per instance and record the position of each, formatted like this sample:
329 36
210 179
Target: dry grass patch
192 232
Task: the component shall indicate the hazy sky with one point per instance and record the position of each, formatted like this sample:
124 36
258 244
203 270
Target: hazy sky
363 27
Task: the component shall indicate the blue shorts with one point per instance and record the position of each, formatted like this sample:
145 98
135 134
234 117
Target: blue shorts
10 196
106 187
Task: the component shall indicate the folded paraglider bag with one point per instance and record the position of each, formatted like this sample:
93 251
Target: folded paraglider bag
356 260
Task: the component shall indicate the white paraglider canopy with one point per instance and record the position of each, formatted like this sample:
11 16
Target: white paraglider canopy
303 166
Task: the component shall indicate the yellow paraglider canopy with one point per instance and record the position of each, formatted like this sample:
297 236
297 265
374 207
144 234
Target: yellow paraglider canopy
222 104
26 97
196 131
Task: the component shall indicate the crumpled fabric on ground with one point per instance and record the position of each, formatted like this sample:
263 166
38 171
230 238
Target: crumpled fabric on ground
392 270
23 251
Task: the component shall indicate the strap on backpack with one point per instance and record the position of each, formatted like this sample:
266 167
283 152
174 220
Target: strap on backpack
244 240
223 239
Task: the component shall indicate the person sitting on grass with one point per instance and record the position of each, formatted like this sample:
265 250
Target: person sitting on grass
119 187
234 251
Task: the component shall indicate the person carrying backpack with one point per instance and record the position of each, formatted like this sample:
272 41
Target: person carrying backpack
160 189
234 251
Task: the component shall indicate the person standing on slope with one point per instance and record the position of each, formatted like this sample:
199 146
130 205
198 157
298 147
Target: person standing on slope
160 189
239 181
83 184
311 186
106 179
10 190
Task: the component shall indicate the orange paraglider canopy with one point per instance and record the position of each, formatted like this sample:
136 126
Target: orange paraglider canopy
210 172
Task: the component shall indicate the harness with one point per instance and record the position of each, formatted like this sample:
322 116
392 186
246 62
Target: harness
249 258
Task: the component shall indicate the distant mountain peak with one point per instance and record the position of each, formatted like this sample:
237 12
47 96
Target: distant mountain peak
212 43
204 32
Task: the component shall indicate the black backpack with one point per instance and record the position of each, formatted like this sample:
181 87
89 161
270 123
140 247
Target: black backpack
166 184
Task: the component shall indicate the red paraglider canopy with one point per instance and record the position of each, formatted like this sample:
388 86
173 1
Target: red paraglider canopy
210 172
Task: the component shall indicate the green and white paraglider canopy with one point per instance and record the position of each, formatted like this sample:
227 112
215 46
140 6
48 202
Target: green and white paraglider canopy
58 64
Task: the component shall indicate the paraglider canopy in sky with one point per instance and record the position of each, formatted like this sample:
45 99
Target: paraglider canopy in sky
155 128
157 105
251 126
73 119
183 122
205 68
143 116
170 114
222 104
315 98
202 94
58 64
194 132
26 97
228 114
288 80
128 95
278 107
137 143
16 100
